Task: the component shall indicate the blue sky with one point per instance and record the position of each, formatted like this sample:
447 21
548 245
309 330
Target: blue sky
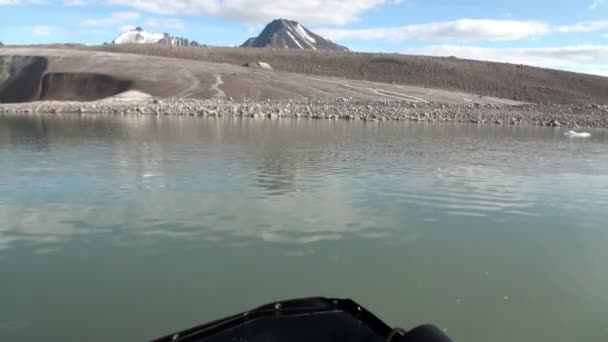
563 34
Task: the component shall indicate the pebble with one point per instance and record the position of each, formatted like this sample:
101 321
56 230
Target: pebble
339 108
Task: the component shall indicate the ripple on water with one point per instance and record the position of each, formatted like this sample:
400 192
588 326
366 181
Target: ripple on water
172 173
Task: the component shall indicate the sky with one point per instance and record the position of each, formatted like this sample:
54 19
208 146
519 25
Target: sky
562 34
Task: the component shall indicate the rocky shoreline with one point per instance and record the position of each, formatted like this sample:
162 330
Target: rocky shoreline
572 116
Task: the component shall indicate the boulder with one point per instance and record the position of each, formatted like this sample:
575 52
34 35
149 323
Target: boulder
258 65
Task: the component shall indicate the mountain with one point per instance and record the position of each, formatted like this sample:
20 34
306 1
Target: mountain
289 34
140 36
248 42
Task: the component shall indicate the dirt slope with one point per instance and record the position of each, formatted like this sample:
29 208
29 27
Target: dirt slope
88 75
507 81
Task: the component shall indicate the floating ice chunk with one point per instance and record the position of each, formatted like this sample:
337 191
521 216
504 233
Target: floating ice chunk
572 134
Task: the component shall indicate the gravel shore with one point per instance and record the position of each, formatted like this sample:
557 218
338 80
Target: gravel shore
571 116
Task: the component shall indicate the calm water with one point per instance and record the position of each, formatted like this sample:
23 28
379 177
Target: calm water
127 228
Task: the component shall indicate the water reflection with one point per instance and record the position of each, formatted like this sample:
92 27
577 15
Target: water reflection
277 173
445 219
280 181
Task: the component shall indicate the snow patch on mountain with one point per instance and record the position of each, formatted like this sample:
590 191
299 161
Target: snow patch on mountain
289 34
140 36
299 31
293 39
302 33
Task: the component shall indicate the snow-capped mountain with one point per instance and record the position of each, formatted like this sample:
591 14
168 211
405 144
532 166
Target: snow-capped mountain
140 36
289 34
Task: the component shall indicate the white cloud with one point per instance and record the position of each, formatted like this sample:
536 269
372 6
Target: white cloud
596 4
169 23
601 70
336 12
43 2
464 29
585 26
126 28
114 19
254 29
581 58
41 30
22 2
74 2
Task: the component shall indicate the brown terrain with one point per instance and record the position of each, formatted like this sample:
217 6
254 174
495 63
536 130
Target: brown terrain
508 81
252 82
28 74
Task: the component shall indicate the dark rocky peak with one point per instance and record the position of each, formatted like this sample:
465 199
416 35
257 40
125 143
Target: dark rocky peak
289 34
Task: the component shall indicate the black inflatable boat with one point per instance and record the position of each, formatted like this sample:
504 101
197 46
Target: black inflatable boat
305 320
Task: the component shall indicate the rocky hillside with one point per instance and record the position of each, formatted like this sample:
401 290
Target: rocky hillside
288 34
29 78
140 36
508 81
